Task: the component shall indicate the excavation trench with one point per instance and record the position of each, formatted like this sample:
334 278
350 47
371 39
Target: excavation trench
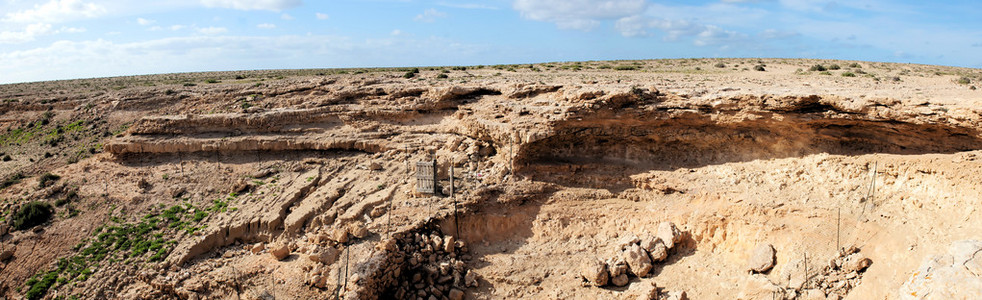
602 152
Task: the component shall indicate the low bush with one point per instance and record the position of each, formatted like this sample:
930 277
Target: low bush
759 68
47 180
819 68
32 214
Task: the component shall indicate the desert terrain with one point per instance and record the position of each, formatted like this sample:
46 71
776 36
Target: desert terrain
651 179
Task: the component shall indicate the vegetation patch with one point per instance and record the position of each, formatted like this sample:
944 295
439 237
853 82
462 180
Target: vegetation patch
32 214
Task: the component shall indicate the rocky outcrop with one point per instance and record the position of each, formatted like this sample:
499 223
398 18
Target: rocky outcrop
953 275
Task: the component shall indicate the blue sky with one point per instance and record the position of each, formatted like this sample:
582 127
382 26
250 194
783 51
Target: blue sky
63 39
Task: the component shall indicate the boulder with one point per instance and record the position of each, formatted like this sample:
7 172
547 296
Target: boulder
326 255
627 241
594 271
620 280
669 234
637 260
855 263
6 254
658 252
456 294
762 258
258 248
618 271
280 252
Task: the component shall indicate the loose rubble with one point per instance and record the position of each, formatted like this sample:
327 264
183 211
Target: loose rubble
636 256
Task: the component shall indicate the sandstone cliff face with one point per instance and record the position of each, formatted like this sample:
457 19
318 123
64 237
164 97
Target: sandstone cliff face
306 188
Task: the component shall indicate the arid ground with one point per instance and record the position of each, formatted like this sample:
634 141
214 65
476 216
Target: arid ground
657 179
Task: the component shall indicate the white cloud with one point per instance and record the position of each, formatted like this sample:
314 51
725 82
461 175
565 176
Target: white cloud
71 30
177 27
273 5
33 31
28 34
578 14
98 58
286 16
321 16
468 5
429 16
266 26
396 32
56 11
212 30
144 22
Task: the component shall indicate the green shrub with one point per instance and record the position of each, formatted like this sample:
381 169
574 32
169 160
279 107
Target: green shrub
834 67
409 74
32 214
964 80
848 74
40 287
12 180
442 76
819 68
855 65
47 180
825 73
212 81
720 65
626 68
759 68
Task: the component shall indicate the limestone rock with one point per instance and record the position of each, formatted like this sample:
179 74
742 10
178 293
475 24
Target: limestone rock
456 294
762 258
677 295
471 279
620 280
627 241
813 294
668 234
280 252
948 276
856 262
638 260
258 248
757 286
327 255
658 252
6 254
595 272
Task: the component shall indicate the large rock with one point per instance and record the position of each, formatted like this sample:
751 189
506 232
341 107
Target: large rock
280 252
855 263
762 258
637 260
658 252
954 275
594 271
618 271
327 255
669 234
6 254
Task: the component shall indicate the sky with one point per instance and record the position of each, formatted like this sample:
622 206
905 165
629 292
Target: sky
66 39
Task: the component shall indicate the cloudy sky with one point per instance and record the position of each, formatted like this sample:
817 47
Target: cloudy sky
62 39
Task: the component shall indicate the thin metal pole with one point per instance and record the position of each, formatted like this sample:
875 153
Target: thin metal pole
838 222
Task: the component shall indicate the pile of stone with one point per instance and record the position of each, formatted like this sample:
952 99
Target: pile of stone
427 264
833 281
843 272
635 256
